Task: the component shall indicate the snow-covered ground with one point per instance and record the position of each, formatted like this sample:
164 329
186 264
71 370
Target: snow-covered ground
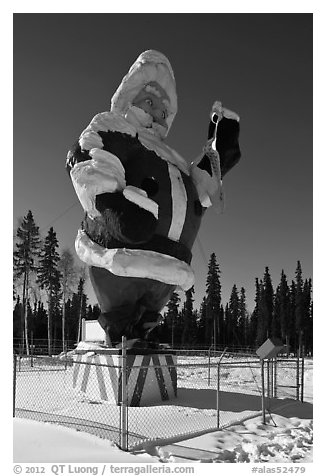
285 438
281 440
44 442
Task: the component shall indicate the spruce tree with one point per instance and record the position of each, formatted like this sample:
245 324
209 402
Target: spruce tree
96 311
234 314
82 298
92 312
269 300
73 314
243 318
262 316
227 325
292 317
307 315
276 320
68 280
172 314
213 327
18 327
57 318
253 323
222 319
89 313
189 324
49 277
284 309
201 323
299 302
70 327
25 262
40 320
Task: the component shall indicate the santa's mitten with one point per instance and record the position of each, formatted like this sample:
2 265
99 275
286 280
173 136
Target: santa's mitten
224 131
129 216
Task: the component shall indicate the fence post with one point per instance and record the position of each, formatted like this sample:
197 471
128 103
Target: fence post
209 367
298 376
65 350
302 375
124 397
218 394
14 385
268 378
218 389
263 392
32 350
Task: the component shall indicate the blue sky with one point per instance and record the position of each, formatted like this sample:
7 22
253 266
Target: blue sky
67 67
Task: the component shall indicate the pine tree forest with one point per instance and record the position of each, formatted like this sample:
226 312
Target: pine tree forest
49 304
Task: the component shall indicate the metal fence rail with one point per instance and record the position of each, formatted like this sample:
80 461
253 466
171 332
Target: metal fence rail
215 390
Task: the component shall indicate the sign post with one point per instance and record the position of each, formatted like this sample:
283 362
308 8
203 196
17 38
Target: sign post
268 350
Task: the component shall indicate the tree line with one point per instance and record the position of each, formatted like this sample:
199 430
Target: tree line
50 303
285 313
48 293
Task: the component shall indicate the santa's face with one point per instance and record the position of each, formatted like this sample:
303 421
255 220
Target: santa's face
152 105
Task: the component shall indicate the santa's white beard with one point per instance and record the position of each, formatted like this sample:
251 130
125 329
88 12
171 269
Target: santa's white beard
139 118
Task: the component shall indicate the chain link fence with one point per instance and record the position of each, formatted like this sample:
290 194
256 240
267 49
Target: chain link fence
136 401
44 390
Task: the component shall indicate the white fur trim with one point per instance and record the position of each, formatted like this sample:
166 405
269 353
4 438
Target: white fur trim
104 121
140 198
138 118
207 188
135 263
230 114
179 203
108 161
103 173
221 111
113 121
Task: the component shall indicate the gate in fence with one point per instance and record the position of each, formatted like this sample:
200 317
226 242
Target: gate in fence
136 401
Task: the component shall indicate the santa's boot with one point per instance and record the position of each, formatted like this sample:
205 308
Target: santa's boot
147 328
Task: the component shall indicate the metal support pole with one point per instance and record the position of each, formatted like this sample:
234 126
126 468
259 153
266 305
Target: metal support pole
14 385
268 378
275 377
263 392
124 398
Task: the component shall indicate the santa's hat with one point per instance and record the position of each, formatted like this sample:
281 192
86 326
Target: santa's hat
150 67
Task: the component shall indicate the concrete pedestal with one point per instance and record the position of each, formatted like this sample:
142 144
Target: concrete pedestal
151 375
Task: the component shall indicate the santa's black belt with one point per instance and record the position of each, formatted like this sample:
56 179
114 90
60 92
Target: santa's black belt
158 243
164 245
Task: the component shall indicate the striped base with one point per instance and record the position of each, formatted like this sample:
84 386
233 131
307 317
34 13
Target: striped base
151 378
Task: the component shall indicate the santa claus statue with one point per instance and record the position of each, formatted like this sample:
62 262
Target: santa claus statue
143 202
